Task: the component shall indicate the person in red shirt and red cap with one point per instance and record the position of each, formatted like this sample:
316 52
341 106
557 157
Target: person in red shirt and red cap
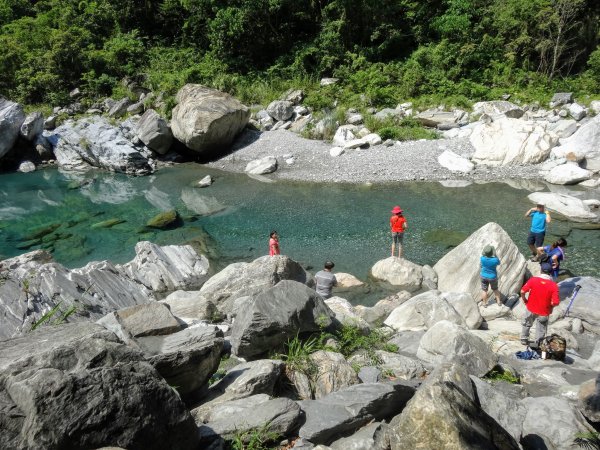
543 297
398 225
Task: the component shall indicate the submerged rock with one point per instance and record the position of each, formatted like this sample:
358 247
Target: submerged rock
165 220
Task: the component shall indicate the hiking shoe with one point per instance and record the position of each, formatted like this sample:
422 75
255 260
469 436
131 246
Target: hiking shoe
534 258
525 341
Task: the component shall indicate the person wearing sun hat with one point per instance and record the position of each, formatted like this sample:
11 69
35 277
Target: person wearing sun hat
489 277
397 226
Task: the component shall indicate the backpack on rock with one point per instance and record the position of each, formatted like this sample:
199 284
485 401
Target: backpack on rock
554 347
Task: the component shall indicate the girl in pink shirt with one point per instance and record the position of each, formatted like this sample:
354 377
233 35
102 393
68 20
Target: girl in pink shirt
274 244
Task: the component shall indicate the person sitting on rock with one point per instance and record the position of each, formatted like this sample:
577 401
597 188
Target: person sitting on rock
555 253
325 280
274 244
397 225
540 218
489 277
543 297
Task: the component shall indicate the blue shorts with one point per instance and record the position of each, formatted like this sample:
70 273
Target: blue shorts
536 239
397 237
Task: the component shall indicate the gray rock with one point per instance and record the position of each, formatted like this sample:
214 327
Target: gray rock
26 166
498 107
376 314
151 319
561 98
281 415
11 119
399 272
190 305
369 374
76 386
328 81
281 110
50 123
186 359
407 341
280 313
343 412
370 437
154 132
207 120
135 108
583 144
434 117
354 119
119 108
294 95
587 303
345 314
262 166
332 373
400 366
457 269
96 289
75 93
448 342
32 126
594 359
93 141
248 279
446 402
588 399
551 423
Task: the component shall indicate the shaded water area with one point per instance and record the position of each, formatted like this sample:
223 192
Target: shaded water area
101 215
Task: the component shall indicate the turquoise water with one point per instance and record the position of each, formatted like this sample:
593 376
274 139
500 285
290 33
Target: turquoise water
345 223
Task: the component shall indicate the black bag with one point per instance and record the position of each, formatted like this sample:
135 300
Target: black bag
554 346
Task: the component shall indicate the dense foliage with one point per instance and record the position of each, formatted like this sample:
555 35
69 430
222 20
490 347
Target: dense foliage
384 51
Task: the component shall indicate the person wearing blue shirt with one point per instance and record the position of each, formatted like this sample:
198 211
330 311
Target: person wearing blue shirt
556 254
489 277
540 218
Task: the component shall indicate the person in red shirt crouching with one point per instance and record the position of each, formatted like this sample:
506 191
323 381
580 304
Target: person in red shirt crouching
543 297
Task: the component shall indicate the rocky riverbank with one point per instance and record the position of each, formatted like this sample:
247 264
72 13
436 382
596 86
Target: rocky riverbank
252 352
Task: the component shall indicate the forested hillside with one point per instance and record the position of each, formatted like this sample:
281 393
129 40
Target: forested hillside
383 51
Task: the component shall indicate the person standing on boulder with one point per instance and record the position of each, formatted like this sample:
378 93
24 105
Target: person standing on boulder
489 277
325 280
540 218
274 244
543 297
398 226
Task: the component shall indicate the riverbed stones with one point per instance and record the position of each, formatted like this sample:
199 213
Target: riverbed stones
497 108
76 386
576 111
93 141
164 220
569 173
119 108
506 141
11 119
448 342
443 414
248 279
561 98
32 126
455 272
454 162
262 166
400 273
206 120
422 312
26 166
343 412
343 135
276 315
154 132
571 207
281 109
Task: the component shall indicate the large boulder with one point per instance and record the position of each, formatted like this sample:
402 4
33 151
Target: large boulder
150 319
11 119
583 144
588 399
422 312
154 131
458 270
448 342
95 289
508 141
497 108
444 414
346 314
248 279
455 162
343 412
332 373
191 306
281 110
399 272
276 315
586 305
571 207
206 119
76 386
94 142
569 173
376 314
32 126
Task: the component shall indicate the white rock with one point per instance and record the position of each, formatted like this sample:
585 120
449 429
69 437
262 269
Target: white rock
32 126
347 281
454 162
563 128
373 139
205 182
569 173
399 272
354 119
343 134
595 106
346 314
26 166
570 207
591 183
584 143
498 107
577 111
336 151
11 119
328 81
355 143
261 166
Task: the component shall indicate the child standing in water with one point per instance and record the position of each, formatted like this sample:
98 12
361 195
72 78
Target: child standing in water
274 244
397 225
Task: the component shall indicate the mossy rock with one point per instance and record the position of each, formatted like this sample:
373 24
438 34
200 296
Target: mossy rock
39 232
165 220
28 244
586 226
51 238
108 223
447 238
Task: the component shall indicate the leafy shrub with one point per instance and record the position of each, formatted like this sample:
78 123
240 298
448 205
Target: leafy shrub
498 374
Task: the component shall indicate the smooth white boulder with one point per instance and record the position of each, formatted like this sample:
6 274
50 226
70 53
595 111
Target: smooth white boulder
455 162
399 272
262 166
572 208
585 143
569 173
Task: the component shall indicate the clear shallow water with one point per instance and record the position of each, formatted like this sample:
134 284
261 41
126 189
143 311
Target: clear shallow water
345 223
